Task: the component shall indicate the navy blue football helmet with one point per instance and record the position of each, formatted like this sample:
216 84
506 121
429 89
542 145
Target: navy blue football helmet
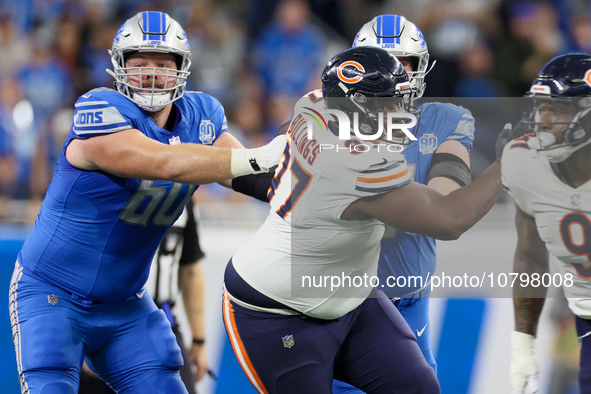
366 80
564 83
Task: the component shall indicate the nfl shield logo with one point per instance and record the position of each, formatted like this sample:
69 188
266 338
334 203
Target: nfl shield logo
288 341
174 140
52 299
575 199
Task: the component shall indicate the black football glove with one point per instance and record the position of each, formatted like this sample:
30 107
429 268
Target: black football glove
509 133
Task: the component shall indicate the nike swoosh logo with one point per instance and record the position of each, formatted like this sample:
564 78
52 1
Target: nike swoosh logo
141 294
420 333
384 161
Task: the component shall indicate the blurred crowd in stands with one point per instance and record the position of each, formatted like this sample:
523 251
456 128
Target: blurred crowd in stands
256 56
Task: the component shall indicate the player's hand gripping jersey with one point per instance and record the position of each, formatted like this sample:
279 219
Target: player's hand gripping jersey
304 237
96 232
562 215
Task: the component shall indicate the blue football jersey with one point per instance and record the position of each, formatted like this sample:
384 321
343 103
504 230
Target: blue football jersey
405 255
96 232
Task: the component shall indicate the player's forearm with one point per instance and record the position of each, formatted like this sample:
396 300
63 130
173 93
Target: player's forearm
422 210
130 154
465 206
196 164
528 299
527 314
448 217
192 287
187 163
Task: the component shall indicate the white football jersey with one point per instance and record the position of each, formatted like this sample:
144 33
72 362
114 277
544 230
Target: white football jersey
562 215
304 248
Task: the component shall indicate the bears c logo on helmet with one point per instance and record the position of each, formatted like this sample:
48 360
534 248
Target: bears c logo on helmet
354 79
588 77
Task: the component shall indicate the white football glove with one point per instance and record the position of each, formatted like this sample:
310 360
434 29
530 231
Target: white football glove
524 371
258 160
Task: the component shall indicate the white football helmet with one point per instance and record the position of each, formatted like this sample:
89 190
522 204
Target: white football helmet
151 31
400 38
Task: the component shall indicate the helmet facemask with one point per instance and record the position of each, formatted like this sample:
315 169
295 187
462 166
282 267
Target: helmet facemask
417 77
572 113
151 88
376 109
368 113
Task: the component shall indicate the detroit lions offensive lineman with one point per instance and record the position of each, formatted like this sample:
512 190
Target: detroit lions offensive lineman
439 159
130 162
327 209
548 175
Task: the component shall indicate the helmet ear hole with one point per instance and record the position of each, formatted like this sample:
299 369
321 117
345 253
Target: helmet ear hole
569 135
360 98
577 135
178 60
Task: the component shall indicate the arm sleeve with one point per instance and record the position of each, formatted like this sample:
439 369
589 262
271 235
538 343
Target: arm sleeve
449 166
255 185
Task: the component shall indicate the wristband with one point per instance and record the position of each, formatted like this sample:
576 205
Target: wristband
198 341
242 162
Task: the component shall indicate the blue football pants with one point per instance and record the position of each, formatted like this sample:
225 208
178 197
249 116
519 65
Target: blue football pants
129 344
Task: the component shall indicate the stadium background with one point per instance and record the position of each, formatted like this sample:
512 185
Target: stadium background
257 57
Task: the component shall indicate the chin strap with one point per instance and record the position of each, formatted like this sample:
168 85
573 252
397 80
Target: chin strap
147 104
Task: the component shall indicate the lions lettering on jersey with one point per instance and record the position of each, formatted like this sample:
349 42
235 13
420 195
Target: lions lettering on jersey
98 117
89 117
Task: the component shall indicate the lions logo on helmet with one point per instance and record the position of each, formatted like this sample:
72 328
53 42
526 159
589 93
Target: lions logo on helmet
151 31
400 38
561 83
